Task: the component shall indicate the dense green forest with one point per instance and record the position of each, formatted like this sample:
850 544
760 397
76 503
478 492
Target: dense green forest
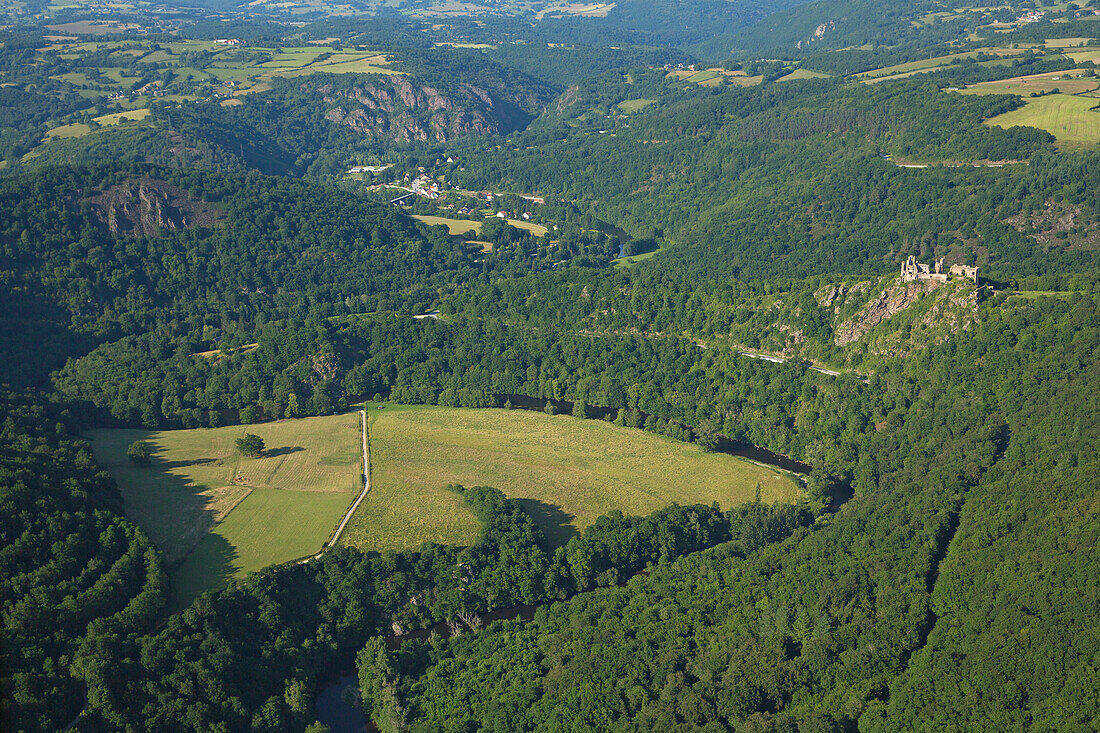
214 263
815 631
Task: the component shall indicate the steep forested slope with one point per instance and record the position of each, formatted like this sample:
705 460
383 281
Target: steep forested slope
73 571
882 617
791 180
955 589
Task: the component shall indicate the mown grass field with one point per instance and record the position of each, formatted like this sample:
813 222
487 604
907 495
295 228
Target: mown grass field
217 515
632 260
1070 119
803 74
635 105
461 226
537 229
1067 82
922 65
454 226
567 471
79 128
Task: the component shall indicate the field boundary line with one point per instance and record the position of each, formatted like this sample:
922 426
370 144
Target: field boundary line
366 483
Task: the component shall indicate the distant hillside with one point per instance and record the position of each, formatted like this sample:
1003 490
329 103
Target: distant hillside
827 25
292 123
677 23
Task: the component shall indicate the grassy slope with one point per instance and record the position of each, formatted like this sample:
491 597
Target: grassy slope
1070 119
286 505
570 472
454 226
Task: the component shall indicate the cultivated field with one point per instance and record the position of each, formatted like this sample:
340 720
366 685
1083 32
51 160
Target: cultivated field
1068 82
803 74
537 229
568 472
454 226
461 226
900 71
216 514
79 128
1070 119
716 77
225 69
635 105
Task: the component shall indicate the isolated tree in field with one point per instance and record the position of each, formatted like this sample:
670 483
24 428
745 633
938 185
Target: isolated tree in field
140 452
550 409
250 445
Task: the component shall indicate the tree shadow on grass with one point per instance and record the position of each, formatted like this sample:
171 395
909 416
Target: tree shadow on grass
210 566
183 464
551 519
284 451
178 517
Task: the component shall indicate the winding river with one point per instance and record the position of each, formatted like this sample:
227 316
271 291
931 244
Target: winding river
337 703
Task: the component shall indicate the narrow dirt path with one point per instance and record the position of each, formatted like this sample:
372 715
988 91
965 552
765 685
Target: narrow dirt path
366 483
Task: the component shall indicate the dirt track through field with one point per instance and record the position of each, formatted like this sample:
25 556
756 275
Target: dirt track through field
366 484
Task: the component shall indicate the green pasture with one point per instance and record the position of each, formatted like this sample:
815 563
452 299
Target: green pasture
566 471
635 105
217 515
1071 120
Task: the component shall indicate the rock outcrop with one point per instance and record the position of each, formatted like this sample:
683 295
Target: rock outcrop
146 206
401 110
947 308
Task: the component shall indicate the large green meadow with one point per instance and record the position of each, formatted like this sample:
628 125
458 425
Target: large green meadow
566 471
217 515
1071 119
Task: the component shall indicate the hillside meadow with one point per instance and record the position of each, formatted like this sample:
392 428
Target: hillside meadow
566 472
1072 120
217 514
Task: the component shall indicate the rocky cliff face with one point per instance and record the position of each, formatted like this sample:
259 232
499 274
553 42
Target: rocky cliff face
401 110
926 312
146 206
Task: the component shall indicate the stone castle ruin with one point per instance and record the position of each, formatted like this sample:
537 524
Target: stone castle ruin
912 270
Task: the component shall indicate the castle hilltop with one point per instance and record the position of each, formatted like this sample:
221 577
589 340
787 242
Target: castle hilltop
912 270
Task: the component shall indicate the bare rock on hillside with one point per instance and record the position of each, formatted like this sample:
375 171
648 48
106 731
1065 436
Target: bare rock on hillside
146 206
401 110
1059 224
890 302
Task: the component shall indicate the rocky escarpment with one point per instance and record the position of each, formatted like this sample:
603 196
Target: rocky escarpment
931 312
146 206
400 110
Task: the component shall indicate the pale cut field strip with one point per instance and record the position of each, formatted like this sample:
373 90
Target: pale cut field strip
454 226
1073 81
567 471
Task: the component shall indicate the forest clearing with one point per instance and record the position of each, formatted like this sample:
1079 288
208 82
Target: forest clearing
564 470
217 514
1072 120
454 226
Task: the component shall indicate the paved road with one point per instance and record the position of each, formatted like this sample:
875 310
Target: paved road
366 483
780 360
